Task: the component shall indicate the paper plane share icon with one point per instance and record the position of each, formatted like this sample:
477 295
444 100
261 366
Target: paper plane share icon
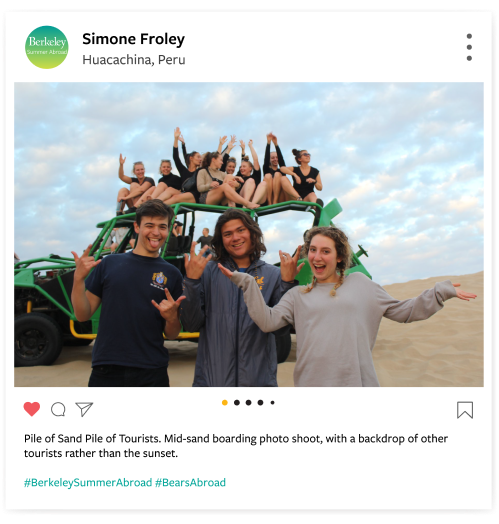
84 406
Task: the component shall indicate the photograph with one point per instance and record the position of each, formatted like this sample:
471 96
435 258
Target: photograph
249 234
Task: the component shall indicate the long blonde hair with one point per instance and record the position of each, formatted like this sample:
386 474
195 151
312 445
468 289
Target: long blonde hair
343 252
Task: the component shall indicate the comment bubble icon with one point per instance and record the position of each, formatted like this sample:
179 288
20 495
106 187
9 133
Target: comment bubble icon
58 409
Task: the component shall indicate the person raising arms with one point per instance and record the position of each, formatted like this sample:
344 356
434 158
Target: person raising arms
305 178
139 184
194 158
271 164
337 316
252 186
213 187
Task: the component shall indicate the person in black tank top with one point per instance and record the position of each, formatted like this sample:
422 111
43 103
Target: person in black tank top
168 185
305 178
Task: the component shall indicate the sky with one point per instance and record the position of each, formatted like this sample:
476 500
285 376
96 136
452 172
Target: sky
404 160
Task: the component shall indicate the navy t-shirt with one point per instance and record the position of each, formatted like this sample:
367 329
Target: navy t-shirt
130 327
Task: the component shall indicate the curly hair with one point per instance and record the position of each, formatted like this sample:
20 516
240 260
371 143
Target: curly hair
343 252
256 235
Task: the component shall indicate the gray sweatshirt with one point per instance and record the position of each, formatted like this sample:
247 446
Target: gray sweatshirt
335 335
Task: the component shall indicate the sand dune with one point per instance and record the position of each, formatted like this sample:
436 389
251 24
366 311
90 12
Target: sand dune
445 350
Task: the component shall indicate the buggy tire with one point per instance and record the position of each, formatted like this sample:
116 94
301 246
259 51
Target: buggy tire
37 341
283 347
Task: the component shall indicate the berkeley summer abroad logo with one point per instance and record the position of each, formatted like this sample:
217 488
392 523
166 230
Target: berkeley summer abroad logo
46 47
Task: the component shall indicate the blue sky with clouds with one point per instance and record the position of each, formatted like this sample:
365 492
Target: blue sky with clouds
405 160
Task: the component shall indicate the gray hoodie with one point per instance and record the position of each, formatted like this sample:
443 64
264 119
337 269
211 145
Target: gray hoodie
232 349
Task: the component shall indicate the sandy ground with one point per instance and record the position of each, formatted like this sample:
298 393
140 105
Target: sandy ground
446 350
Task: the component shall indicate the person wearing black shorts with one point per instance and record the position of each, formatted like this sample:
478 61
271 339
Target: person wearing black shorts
306 178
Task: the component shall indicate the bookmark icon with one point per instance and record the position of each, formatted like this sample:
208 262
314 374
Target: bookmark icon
84 406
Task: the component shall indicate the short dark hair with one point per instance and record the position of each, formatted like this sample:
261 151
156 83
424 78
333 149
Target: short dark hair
154 208
256 235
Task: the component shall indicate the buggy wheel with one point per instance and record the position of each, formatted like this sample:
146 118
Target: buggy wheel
38 340
283 347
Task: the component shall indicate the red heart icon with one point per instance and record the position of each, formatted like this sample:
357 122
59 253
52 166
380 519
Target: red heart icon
31 408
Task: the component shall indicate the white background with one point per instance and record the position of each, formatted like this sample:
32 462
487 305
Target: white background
351 47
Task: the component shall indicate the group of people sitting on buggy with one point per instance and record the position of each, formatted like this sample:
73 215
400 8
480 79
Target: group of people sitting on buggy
211 178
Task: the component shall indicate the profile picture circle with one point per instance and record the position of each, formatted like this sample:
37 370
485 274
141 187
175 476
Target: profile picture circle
46 47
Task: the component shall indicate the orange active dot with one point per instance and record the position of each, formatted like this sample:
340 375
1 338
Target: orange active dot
224 402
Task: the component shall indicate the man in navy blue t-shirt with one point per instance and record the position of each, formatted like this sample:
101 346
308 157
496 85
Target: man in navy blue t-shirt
140 296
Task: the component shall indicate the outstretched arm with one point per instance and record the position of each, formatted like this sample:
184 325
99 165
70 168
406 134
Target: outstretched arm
256 164
266 318
423 306
221 143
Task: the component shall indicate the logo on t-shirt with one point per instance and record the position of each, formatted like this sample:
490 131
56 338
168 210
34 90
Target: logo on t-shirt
160 279
259 281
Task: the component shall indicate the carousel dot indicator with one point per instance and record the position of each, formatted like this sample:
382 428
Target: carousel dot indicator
272 402
469 35
260 402
469 58
236 402
224 402
248 402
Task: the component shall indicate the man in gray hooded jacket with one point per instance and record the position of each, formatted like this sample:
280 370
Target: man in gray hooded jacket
232 350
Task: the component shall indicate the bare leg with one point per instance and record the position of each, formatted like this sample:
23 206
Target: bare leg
311 197
248 189
168 193
270 187
276 189
153 192
123 192
146 196
289 190
182 197
215 196
261 193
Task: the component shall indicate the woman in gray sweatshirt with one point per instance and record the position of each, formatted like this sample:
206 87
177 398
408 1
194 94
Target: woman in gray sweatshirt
337 317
